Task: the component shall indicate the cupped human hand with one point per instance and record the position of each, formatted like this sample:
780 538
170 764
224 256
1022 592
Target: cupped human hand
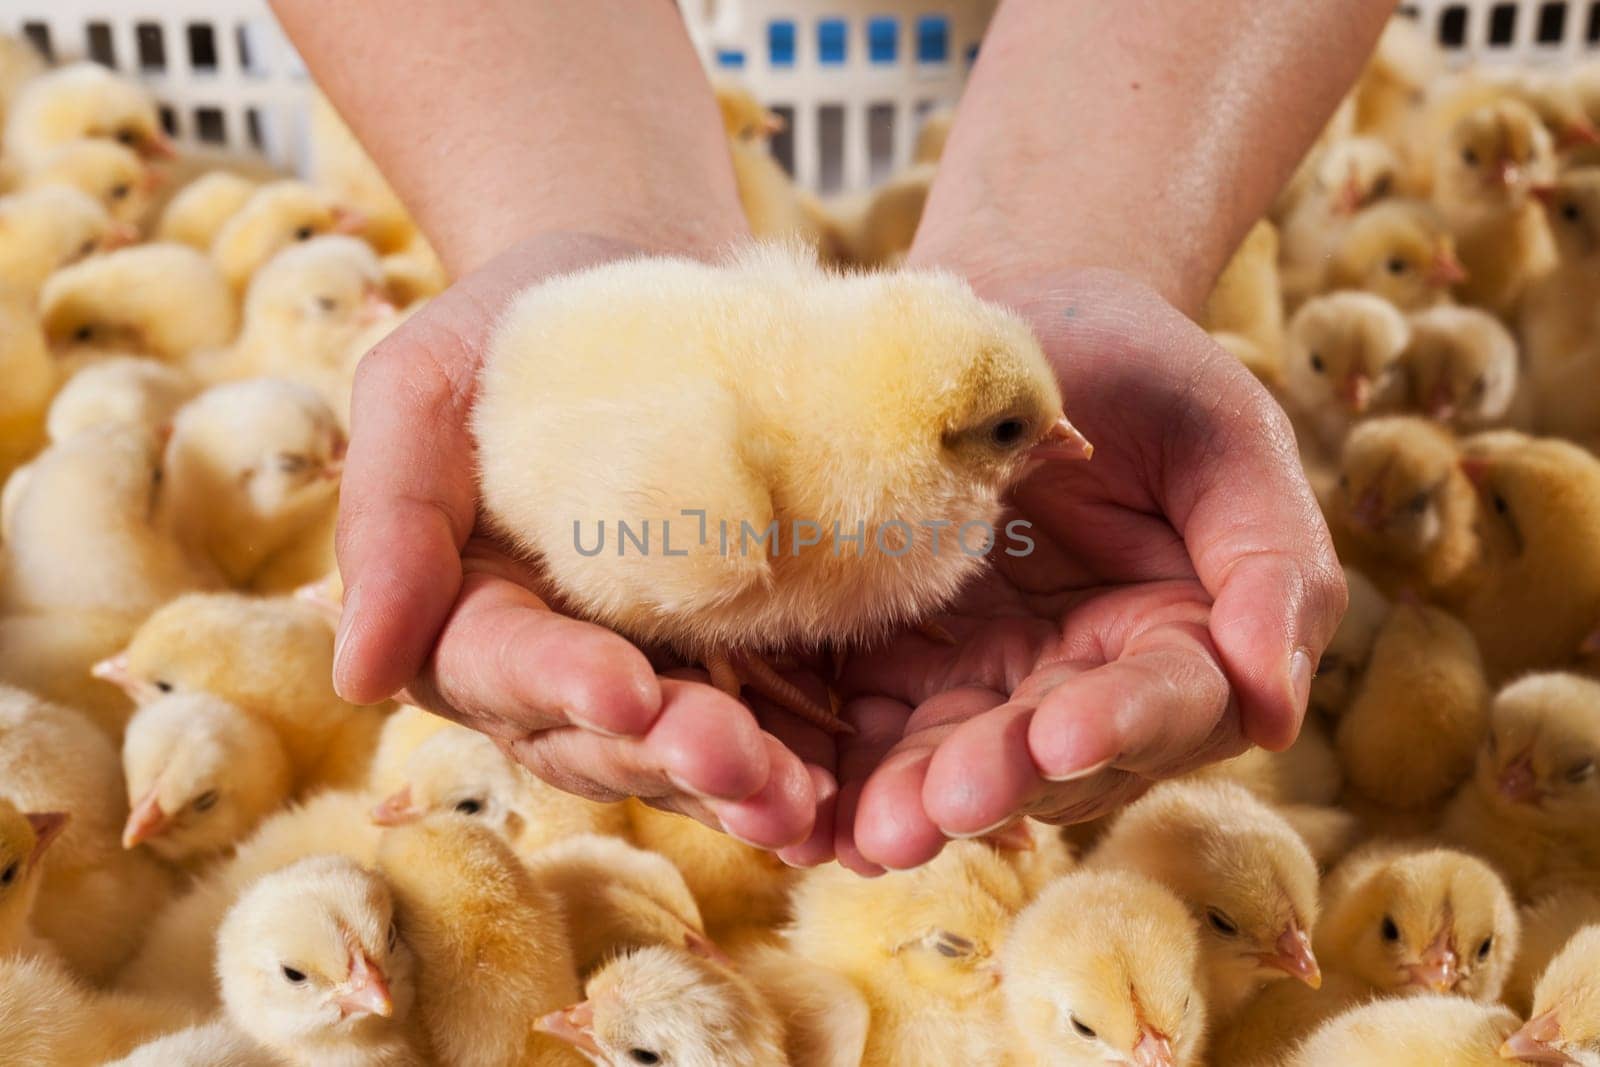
436 607
1180 591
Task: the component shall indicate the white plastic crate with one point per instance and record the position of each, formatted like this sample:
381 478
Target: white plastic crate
1531 32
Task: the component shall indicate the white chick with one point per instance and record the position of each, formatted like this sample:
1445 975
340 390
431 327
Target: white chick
113 174
48 228
161 300
1247 878
48 1018
198 211
252 472
24 837
662 1005
1461 367
1405 920
121 391
82 100
1565 1025
1415 1032
1556 321
275 216
462 771
201 774
1340 350
490 943
1104 968
312 966
555 364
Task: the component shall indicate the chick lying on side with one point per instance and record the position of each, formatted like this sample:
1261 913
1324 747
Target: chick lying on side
553 365
311 965
82 100
24 837
1565 1025
1247 878
1415 1032
1461 368
491 950
1103 968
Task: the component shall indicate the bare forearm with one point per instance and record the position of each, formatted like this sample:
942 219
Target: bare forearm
501 119
1143 135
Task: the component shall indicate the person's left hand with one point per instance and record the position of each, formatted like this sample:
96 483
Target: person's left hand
1181 591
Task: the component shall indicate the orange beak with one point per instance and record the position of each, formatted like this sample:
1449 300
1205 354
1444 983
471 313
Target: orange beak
115 670
574 1025
47 826
1578 133
1476 468
772 123
375 307
153 179
1535 1042
1063 441
1442 402
396 810
1368 510
349 220
1153 1050
1438 969
1294 957
120 235
159 147
1517 781
145 821
1350 197
1356 392
367 993
1445 269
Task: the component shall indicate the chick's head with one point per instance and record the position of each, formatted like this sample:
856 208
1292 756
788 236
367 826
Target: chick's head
1400 250
1341 349
1538 762
277 215
460 771
163 300
1572 203
51 227
85 100
23 840
1461 365
1420 921
310 955
1357 172
743 116
1400 489
669 1006
1102 968
1493 156
313 297
113 174
201 773
1565 1025
1533 493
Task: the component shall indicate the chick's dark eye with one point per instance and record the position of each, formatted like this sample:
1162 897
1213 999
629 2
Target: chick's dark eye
1083 1031
8 875
327 304
1221 923
83 333
469 806
293 976
128 136
206 801
1008 432
1580 771
1397 265
1571 212
1469 157
304 233
165 687
1382 186
120 192
1317 364
87 248
1485 948
1500 505
393 937
1390 931
1419 503
643 1055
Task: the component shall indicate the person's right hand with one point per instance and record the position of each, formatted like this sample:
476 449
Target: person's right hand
435 607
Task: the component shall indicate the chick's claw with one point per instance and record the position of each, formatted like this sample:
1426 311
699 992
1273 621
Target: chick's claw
731 674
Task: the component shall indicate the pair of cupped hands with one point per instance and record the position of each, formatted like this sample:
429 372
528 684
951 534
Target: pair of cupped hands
1182 589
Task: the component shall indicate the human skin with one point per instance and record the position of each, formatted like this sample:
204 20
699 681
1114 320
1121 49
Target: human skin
1105 160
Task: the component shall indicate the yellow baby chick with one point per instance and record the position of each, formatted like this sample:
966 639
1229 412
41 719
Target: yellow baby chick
80 535
744 118
252 473
1403 511
1405 920
209 1045
48 1018
490 945
45 229
120 391
1532 806
1414 1032
30 376
311 965
1483 177
462 771
667 1005
82 100
1306 773
201 774
1399 249
1349 176
24 837
122 182
1247 300
1411 734
50 653
271 656
1391 95
1555 321
1565 1027
1547 925
198 211
563 347
340 166
1247 878
161 300
735 884
1345 659
825 1020
923 948
1534 592
1104 968
616 898
877 230
276 215
1461 368
403 732
1338 358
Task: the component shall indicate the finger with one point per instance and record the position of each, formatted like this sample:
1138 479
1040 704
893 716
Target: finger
982 775
1095 797
506 664
879 723
817 849
891 828
782 813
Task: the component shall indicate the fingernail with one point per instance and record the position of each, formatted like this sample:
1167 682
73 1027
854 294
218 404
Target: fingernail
1301 668
1079 774
685 788
347 614
987 830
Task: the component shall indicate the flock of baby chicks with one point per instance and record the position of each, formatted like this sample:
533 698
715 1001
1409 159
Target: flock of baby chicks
207 857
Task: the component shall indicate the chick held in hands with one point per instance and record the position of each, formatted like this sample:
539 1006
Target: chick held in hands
756 456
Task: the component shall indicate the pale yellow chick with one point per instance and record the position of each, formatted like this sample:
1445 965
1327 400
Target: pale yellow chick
1391 96
120 391
340 166
1557 319
212 1044
115 175
31 377
1461 368
1338 359
491 948
49 1018
876 230
1414 1032
24 837
1247 879
406 728
825 1019
48 228
20 62
276 215
1306 773
1104 968
1547 925
198 211
311 965
1247 300
201 774
82 100
1400 249
1565 1025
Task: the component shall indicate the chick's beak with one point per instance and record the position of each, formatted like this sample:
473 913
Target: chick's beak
1446 269
772 123
396 809
375 307
1517 782
349 220
160 147
1438 970
1368 510
120 235
1535 1042
145 821
153 178
574 1025
47 826
1546 193
1577 133
1294 957
367 993
1063 441
1350 197
1476 468
1356 392
1153 1050
1508 173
